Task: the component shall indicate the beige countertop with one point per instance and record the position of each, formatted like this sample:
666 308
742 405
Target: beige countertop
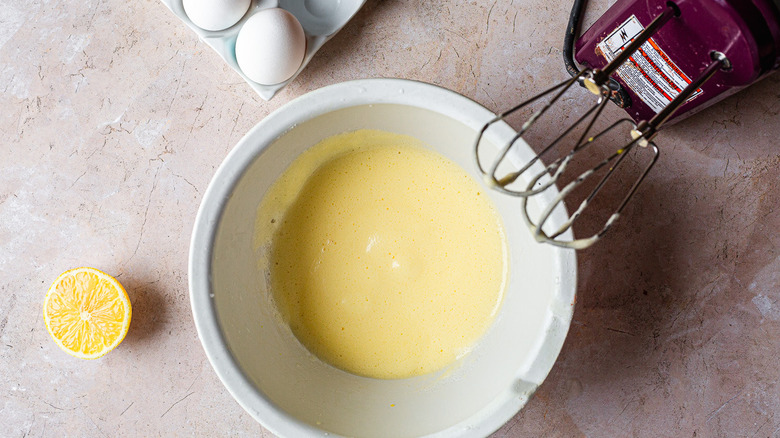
114 118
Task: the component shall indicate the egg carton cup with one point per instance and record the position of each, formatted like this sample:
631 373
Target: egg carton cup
320 19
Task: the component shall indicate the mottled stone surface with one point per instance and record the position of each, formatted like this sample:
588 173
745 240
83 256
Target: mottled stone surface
114 117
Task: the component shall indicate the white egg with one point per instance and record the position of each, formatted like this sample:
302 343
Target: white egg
270 46
215 14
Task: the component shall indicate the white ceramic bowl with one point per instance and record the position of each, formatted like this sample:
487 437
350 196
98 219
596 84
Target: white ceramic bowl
294 394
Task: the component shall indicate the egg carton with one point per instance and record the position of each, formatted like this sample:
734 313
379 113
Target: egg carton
320 19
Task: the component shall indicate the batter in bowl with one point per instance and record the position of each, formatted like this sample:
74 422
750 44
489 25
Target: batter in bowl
386 259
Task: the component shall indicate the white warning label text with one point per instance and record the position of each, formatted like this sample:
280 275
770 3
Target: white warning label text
649 72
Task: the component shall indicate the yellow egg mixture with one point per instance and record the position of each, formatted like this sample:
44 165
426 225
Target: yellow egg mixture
386 259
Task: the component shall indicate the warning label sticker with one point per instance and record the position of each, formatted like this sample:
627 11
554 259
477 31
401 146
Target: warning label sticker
649 72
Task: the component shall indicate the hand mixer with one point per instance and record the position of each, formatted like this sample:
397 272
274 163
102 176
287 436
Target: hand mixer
659 60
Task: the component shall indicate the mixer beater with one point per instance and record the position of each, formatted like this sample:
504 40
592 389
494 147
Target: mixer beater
638 77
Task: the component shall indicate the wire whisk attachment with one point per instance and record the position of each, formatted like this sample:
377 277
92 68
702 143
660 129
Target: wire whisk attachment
540 177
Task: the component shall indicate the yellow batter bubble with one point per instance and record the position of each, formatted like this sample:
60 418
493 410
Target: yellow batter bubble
385 258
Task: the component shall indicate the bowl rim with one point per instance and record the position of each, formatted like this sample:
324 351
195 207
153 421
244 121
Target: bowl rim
318 102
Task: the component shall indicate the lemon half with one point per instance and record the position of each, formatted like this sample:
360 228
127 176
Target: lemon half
87 312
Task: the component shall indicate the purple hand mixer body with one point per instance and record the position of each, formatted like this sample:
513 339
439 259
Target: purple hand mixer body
747 32
659 60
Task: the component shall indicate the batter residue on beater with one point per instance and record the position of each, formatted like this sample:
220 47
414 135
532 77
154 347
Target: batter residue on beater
386 259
